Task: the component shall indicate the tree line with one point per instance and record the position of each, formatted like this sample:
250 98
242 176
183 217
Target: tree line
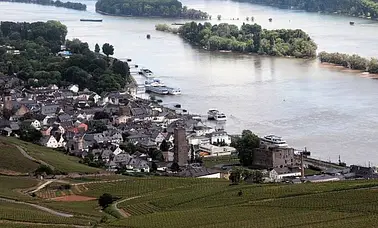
250 38
68 5
148 8
357 8
354 62
40 62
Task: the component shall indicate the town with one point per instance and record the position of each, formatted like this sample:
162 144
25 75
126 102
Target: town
121 133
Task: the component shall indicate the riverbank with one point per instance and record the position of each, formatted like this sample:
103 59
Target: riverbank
68 5
359 9
167 8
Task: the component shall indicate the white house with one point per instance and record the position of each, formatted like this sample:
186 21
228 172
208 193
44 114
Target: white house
117 151
198 140
36 124
219 137
216 150
49 141
203 130
120 119
74 88
52 142
33 123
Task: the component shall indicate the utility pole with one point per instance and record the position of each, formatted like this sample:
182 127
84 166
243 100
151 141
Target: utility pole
302 166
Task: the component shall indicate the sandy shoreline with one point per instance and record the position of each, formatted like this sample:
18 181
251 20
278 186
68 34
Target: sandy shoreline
360 73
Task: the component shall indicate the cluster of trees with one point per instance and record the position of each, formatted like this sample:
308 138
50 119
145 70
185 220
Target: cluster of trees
360 8
166 28
38 63
245 146
250 38
239 174
69 5
354 62
157 8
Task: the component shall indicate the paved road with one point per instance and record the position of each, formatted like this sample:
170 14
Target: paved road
48 210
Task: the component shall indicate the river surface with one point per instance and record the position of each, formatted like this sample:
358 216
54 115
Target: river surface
329 111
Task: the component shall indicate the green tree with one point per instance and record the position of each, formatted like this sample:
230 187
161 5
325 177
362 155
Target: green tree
44 169
107 49
105 200
30 134
245 146
97 48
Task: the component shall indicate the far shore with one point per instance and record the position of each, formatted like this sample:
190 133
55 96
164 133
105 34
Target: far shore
361 73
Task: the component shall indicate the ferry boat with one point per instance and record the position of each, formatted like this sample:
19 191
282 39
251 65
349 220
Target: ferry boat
146 73
157 90
173 91
220 117
91 20
273 140
154 82
212 113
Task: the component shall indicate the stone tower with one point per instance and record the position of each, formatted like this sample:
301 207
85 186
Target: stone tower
181 147
7 99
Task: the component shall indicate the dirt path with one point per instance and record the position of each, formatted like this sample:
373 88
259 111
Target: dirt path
99 182
40 224
26 155
48 210
121 211
42 186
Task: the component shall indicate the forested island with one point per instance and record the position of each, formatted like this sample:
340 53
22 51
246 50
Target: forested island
32 53
250 38
68 5
148 8
353 62
357 8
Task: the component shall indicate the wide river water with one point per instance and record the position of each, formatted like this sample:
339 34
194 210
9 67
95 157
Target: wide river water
329 111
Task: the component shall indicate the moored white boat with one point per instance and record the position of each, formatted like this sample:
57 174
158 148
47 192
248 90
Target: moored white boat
146 73
211 114
173 91
273 140
157 90
154 82
220 117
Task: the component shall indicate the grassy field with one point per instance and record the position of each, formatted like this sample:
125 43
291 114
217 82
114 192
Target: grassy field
210 162
57 159
10 186
12 161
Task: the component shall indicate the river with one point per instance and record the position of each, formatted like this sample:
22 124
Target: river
329 111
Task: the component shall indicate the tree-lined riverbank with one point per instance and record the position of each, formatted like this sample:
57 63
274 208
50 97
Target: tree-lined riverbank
148 8
354 62
68 5
357 8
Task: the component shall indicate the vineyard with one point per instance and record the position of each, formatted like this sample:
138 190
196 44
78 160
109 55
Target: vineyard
11 160
18 212
57 159
188 202
11 187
